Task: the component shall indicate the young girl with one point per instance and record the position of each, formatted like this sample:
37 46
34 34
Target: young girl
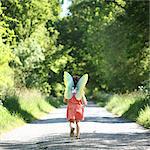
75 110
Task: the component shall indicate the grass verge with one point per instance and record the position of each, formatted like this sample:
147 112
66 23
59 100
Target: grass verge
133 106
25 107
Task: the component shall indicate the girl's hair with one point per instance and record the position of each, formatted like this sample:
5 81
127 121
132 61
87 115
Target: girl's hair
75 79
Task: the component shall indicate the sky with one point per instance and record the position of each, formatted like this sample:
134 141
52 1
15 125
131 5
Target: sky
65 8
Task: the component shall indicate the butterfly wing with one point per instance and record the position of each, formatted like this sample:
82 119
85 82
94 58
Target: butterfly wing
80 87
68 81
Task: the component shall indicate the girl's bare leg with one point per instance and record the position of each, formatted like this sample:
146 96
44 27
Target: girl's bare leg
72 128
78 129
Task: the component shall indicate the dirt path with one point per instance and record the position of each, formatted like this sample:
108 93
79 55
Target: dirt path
100 130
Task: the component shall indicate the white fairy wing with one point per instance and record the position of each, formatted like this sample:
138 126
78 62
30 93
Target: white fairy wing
80 86
69 84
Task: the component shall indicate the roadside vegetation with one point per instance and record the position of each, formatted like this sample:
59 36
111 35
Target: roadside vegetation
24 107
133 106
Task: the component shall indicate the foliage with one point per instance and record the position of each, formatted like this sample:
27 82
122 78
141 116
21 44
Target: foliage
6 55
25 106
44 45
25 16
29 43
143 118
133 106
7 120
108 39
101 98
30 55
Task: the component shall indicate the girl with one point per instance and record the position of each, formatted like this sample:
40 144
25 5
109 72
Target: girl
75 110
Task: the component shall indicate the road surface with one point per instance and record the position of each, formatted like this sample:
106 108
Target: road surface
100 130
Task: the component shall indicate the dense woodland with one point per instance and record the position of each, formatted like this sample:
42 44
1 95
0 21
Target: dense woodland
108 39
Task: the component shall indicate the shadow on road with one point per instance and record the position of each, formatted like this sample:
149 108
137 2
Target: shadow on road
87 119
106 120
137 141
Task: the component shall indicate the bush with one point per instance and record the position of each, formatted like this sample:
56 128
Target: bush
101 98
8 120
25 106
134 106
144 117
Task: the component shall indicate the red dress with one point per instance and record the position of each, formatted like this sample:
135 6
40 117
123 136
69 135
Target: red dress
75 110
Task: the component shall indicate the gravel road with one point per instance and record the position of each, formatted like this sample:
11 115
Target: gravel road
100 130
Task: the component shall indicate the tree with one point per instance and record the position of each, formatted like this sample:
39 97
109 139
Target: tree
103 41
6 55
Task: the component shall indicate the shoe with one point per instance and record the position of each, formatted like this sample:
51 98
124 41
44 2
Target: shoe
72 132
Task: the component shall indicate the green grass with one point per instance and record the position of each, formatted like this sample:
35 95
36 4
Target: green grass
133 106
8 120
24 107
144 117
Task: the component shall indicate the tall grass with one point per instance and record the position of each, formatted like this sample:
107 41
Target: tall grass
144 117
134 106
8 120
24 107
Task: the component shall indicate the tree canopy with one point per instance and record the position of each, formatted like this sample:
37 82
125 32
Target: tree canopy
108 39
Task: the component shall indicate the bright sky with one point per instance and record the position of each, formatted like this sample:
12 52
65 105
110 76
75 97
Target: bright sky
65 6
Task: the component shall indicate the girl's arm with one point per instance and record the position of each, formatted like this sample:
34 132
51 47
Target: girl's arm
84 100
65 100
